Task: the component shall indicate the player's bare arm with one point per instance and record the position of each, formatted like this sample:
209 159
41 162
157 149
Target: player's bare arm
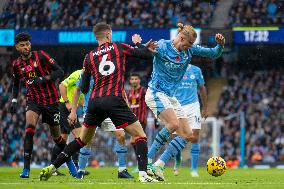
204 101
73 115
63 93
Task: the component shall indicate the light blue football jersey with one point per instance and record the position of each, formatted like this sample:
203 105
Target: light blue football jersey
86 96
169 65
187 91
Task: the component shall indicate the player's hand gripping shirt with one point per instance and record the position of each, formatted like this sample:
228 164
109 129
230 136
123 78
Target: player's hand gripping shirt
169 65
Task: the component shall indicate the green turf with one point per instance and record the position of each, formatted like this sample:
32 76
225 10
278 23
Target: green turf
106 178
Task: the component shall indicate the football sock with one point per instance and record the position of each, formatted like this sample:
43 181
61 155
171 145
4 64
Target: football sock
84 157
141 153
195 149
121 151
75 158
161 138
28 145
175 147
59 146
177 160
68 151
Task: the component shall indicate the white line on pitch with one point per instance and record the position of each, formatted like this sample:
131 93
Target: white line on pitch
160 183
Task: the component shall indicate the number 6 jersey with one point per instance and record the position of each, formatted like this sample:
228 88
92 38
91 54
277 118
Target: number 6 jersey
106 64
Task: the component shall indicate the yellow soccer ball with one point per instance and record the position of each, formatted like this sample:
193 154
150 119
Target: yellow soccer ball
216 166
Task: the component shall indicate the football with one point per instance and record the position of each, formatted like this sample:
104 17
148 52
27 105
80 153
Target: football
216 166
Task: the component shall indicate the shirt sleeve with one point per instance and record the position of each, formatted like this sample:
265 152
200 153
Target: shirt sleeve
71 80
207 52
140 52
47 58
200 78
16 82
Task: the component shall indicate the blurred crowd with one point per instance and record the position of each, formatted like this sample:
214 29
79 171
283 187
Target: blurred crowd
63 14
260 96
257 13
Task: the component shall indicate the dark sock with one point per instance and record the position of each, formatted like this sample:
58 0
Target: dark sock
28 145
59 146
134 147
68 151
141 153
75 158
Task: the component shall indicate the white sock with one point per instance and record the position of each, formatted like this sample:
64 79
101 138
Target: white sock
159 163
120 169
142 173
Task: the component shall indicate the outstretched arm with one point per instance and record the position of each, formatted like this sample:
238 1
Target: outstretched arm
210 52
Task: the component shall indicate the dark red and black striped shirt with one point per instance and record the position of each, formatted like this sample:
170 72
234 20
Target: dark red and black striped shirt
106 64
136 99
38 65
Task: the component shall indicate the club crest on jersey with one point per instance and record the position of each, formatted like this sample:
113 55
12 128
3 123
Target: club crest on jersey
52 61
192 76
177 58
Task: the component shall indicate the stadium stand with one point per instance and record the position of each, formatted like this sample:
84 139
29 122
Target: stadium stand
260 96
54 14
257 13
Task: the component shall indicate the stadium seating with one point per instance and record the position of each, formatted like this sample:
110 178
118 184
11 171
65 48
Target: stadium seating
257 13
260 96
54 14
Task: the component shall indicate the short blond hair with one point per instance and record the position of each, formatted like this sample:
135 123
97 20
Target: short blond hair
186 30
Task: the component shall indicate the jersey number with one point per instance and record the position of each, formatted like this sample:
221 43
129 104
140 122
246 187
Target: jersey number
106 67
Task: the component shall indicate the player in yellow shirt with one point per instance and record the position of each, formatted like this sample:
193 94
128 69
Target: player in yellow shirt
66 89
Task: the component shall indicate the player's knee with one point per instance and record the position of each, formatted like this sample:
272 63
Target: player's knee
173 126
193 139
120 135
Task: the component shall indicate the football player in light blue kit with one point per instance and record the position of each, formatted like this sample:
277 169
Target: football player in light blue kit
169 65
107 126
187 95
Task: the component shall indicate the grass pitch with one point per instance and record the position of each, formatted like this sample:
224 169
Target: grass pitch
106 178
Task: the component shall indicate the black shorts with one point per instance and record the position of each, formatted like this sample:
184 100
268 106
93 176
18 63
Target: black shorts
110 106
64 124
50 113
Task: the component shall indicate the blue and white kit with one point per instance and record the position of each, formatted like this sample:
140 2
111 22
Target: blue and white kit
187 95
169 66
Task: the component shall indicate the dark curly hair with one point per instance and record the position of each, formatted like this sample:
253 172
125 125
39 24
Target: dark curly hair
22 37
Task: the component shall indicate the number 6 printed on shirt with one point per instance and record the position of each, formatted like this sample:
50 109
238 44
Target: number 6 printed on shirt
106 63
